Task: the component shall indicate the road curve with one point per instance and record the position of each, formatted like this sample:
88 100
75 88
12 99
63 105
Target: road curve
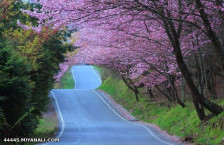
87 119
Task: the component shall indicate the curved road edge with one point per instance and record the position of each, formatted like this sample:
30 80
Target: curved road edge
61 124
97 74
160 135
154 130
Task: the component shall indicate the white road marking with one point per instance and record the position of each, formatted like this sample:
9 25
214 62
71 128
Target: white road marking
61 118
74 78
96 74
63 124
131 122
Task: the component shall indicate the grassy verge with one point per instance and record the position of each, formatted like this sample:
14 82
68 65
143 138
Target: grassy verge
97 68
175 120
48 125
66 82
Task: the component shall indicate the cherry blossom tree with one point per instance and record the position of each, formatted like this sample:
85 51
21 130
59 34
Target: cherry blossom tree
148 41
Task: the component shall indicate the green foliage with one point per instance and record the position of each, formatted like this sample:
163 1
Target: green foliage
175 120
15 89
67 81
98 69
46 127
28 62
48 124
50 56
13 13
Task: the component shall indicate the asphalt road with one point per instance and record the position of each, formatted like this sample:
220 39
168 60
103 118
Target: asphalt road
87 119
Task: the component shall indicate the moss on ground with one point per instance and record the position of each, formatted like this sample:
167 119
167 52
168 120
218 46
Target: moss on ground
175 120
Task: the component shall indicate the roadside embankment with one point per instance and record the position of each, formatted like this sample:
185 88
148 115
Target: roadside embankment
66 81
182 122
48 124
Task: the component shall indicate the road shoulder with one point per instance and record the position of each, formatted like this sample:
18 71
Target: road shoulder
126 115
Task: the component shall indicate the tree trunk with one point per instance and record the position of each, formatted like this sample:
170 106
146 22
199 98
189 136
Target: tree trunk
164 94
183 84
150 92
174 39
213 86
173 87
200 112
209 32
133 88
136 96
212 107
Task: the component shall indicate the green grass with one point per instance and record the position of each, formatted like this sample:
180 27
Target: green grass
97 68
67 81
46 127
175 120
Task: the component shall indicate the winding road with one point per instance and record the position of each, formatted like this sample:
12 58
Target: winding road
86 118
